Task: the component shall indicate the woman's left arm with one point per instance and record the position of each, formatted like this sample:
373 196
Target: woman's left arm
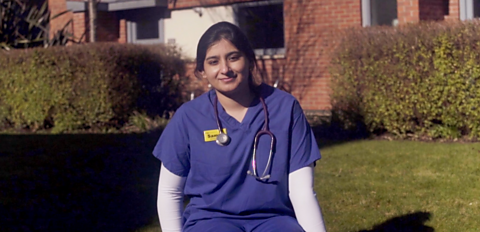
304 201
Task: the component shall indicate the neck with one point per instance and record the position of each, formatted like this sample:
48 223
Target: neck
239 101
236 106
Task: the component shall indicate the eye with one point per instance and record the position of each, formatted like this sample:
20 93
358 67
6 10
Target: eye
234 57
212 62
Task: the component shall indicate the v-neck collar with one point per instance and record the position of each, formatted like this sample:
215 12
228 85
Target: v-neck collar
252 111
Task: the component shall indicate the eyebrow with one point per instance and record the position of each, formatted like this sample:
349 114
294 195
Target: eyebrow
228 54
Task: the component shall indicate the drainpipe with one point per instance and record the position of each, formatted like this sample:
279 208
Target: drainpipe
92 18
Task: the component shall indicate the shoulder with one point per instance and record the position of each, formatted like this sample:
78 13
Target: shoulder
189 114
199 105
279 99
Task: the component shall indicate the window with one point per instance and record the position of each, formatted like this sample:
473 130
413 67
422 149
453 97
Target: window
262 22
469 9
476 8
145 26
379 12
147 29
145 32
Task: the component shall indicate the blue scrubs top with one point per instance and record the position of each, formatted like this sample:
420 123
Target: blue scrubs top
217 182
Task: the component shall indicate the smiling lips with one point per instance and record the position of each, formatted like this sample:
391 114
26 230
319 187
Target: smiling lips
228 79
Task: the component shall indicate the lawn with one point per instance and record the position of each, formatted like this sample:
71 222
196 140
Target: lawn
95 182
366 183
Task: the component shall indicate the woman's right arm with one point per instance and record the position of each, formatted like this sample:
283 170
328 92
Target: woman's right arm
170 200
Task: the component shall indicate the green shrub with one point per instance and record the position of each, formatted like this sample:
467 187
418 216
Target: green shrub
416 80
139 122
87 86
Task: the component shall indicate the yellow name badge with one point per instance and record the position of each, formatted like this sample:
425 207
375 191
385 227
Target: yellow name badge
211 135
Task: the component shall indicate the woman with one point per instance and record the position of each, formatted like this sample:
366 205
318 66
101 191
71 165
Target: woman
242 153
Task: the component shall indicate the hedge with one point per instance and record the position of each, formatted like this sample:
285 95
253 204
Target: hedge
420 80
85 87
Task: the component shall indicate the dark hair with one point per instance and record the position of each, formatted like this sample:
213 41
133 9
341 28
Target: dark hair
227 31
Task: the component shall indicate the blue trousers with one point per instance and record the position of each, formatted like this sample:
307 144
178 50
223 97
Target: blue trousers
273 224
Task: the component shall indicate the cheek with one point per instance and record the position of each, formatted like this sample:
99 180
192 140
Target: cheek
241 68
211 76
209 72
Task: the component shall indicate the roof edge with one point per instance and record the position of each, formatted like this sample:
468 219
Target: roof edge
82 6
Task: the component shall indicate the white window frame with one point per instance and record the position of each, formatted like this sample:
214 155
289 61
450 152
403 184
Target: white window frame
267 51
467 10
132 33
367 13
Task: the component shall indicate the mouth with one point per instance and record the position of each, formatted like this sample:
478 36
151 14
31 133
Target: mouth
227 79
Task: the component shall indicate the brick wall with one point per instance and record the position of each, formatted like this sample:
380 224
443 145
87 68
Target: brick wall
310 28
108 27
122 37
271 69
453 10
408 11
433 9
56 7
424 10
80 25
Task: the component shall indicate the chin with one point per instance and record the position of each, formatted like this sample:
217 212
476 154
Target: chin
226 91
228 87
233 87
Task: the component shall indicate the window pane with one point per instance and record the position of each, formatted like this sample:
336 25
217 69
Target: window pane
476 8
384 12
147 29
263 25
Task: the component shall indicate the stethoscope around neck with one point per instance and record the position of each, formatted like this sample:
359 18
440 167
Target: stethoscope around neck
223 140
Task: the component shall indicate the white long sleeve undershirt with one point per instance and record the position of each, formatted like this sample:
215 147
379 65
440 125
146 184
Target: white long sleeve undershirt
170 200
304 200
302 196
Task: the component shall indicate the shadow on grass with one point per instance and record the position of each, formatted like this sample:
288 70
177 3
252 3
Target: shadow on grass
77 182
329 133
90 182
414 222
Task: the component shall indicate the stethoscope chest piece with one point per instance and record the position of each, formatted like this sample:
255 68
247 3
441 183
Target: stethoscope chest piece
223 139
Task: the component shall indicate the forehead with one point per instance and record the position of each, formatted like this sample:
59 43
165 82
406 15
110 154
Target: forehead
221 47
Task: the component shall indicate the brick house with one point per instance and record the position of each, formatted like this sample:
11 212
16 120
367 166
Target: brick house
292 38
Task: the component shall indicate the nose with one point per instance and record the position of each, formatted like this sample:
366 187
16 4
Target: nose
224 67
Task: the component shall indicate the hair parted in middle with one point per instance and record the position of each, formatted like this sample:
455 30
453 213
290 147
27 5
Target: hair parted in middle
231 33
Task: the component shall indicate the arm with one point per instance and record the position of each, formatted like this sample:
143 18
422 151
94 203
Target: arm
170 200
304 201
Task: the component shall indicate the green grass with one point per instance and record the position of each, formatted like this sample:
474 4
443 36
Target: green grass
365 183
107 182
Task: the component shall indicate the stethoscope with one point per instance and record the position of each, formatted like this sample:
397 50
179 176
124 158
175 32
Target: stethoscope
223 140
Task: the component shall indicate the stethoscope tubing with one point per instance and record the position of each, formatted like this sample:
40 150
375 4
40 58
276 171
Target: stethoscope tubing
223 140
